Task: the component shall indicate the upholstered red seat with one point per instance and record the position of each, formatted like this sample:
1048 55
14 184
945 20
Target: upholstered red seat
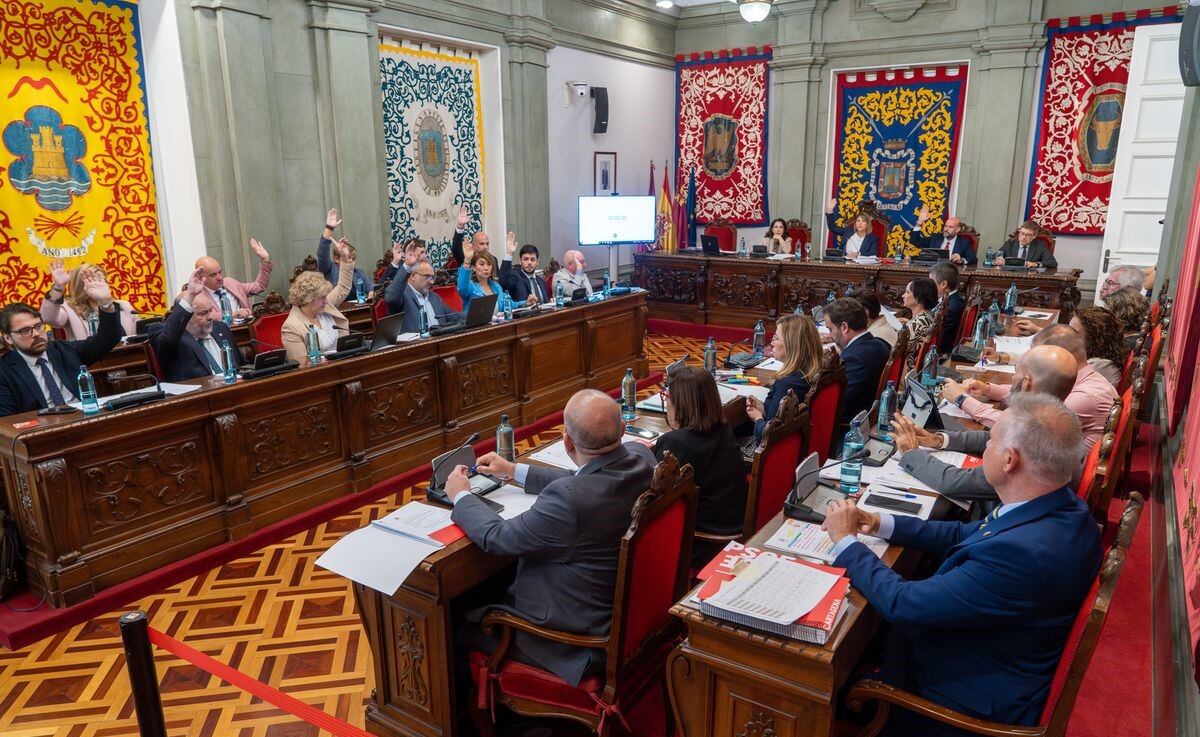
726 234
268 331
966 325
379 310
152 361
824 402
450 296
801 236
1087 477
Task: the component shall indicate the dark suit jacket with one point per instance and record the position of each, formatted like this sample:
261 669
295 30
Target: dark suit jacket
870 245
412 307
984 633
775 395
569 543
456 247
397 280
952 481
514 281
864 359
937 241
956 304
1037 252
330 270
180 356
19 390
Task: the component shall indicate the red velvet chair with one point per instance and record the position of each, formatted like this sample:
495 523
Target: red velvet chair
1087 477
1068 676
971 235
152 361
268 331
379 310
801 236
1112 459
893 370
879 224
966 326
652 574
824 402
450 296
725 232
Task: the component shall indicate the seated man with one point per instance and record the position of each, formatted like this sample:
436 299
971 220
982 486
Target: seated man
984 633
863 353
574 275
414 294
523 285
1047 369
329 261
1090 399
404 257
188 342
958 250
1024 250
877 324
37 373
945 276
569 541
217 285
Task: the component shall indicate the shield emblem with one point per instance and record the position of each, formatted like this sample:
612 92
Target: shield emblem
720 146
1100 130
431 152
892 175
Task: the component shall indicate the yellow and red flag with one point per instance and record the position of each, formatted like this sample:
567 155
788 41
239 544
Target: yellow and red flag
665 224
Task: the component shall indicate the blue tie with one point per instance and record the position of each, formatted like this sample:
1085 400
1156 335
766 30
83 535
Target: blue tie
56 397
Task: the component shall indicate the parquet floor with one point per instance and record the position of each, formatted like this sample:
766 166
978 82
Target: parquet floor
272 614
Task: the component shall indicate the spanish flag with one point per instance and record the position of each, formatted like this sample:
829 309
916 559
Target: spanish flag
666 216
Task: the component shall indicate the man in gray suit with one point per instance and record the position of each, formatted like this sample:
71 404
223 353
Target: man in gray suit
569 541
1047 369
413 294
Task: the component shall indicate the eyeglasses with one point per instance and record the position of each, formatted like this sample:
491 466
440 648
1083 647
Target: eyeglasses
30 331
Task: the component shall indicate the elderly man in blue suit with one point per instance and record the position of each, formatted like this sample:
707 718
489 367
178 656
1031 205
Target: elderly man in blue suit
984 634
414 295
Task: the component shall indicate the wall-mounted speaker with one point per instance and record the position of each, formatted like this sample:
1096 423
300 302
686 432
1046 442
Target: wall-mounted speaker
600 100
1189 46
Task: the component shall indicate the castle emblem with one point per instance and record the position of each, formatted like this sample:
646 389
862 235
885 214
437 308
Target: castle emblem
49 158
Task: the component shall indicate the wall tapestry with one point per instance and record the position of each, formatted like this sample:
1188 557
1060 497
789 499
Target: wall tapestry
721 106
433 138
1084 73
75 175
896 137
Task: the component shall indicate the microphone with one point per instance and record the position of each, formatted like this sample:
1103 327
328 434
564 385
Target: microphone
433 476
798 510
272 346
137 398
729 364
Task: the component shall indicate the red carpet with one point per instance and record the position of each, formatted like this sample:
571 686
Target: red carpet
18 629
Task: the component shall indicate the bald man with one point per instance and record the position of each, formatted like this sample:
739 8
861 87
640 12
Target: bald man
480 240
217 284
1046 369
960 249
574 275
1090 399
569 541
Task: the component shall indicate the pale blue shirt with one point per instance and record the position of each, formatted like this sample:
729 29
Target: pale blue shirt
887 525
519 475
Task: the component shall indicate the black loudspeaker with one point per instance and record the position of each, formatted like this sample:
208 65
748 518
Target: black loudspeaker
1189 47
600 95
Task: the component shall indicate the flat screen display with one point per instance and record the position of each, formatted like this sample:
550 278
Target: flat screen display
607 221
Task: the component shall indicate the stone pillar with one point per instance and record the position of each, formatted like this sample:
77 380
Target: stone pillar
527 152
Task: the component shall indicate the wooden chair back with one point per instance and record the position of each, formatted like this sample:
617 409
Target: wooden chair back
1108 445
784 443
450 296
725 232
1113 463
272 304
267 330
1044 237
308 264
879 223
824 403
801 236
971 235
893 370
1088 482
966 326
548 274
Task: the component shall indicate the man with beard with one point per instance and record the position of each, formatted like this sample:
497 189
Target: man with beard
188 343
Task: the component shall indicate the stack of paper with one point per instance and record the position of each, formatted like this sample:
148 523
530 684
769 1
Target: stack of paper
810 541
892 320
748 390
1013 345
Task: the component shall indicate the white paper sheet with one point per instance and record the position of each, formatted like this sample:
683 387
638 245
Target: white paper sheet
892 320
1033 315
747 390
171 390
416 520
556 455
375 558
775 589
1013 345
1000 368
771 364
407 337
810 541
950 409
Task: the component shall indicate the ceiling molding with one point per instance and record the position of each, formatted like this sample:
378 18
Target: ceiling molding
896 10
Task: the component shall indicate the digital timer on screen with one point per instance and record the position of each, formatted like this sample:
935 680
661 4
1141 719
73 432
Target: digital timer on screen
606 221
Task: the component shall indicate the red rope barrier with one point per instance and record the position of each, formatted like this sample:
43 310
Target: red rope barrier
273 696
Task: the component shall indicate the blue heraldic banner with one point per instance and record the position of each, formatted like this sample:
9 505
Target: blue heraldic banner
897 136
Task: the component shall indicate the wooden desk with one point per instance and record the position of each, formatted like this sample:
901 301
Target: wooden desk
104 499
727 290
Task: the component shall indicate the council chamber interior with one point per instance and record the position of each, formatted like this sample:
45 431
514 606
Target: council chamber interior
711 368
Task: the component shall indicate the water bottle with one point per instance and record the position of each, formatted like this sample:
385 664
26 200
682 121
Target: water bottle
607 285
799 309
226 309
87 392
93 322
230 362
505 447
929 373
982 333
423 323
852 470
1010 300
313 342
710 357
830 297
507 305
760 339
360 290
628 397
989 257
558 295
993 314
887 405
907 259
742 248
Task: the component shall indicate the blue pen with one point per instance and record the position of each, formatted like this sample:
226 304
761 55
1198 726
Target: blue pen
472 470
895 493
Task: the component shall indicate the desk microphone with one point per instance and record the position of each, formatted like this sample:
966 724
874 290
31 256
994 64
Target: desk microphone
729 363
137 398
272 346
794 508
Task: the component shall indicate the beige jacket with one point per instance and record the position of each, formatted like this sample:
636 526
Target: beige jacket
295 327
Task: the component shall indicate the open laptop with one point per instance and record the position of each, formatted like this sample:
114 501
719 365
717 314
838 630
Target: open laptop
710 245
479 312
387 330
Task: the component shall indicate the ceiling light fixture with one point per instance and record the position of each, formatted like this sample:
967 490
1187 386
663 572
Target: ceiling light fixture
754 10
665 4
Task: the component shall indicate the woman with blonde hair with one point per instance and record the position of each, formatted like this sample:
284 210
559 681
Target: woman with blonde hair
797 345
314 303
68 306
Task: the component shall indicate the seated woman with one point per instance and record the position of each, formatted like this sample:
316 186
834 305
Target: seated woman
920 297
67 305
477 280
1129 306
703 438
798 347
1104 341
857 240
313 303
776 238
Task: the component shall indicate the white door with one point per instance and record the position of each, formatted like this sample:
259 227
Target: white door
1145 151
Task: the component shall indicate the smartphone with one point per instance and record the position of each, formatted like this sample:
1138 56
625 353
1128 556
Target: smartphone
641 432
62 409
896 505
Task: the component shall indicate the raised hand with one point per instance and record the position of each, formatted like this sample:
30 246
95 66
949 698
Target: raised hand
96 287
832 204
343 251
510 243
259 251
493 465
397 254
468 251
464 217
923 216
332 220
411 253
59 274
195 284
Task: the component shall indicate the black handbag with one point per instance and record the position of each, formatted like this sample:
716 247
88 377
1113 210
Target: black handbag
12 557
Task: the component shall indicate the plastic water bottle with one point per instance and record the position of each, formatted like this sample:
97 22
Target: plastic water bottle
799 309
989 257
360 290
887 405
1010 300
852 470
87 391
929 373
607 285
983 328
993 314
230 362
628 397
742 248
558 295
760 339
313 342
226 309
505 447
710 356
830 297
93 322
423 323
506 305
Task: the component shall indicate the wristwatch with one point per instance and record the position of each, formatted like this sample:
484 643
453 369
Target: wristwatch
958 401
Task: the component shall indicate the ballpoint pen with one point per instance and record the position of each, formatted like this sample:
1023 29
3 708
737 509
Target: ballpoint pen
902 495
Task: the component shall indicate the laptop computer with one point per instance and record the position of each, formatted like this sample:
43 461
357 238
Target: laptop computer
387 330
268 363
710 245
479 312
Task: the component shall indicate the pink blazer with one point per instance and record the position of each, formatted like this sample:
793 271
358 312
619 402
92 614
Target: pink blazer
242 291
62 316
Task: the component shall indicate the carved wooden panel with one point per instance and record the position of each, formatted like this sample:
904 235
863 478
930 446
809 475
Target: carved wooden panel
411 673
283 440
795 290
484 380
670 285
123 488
400 406
745 291
29 523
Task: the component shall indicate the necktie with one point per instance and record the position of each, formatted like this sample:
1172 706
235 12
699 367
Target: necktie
1024 252
56 397
213 366
534 289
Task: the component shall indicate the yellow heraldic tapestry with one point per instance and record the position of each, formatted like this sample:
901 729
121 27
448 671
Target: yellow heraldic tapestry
75 176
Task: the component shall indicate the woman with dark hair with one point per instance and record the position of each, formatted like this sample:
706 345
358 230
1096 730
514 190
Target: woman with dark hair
877 324
776 238
478 280
797 345
1102 334
703 438
857 240
1130 307
920 297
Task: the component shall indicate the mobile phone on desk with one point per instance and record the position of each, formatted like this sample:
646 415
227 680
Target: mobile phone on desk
62 409
641 432
896 505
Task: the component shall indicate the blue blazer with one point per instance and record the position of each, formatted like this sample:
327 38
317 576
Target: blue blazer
180 356
796 382
19 391
396 287
955 305
330 270
469 289
412 307
514 281
937 241
984 633
870 245
864 359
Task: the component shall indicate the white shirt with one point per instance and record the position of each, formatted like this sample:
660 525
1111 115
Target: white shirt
327 333
571 282
233 300
31 362
209 344
853 244
423 300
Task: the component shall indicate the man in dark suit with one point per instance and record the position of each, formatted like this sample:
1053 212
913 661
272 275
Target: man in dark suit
959 249
403 259
945 276
984 633
523 285
189 342
1026 249
480 239
37 373
569 541
864 354
412 295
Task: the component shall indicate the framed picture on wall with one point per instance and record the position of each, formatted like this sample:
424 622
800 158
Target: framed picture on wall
604 172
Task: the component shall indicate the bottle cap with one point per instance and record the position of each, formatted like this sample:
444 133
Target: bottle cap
504 418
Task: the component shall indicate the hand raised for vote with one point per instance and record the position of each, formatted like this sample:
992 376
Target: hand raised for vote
259 251
923 216
195 284
843 517
59 274
493 465
96 287
832 204
332 220
397 254
458 482
412 252
342 249
464 217
510 243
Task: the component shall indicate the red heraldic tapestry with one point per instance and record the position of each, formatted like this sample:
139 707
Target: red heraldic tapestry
75 178
721 106
1084 73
